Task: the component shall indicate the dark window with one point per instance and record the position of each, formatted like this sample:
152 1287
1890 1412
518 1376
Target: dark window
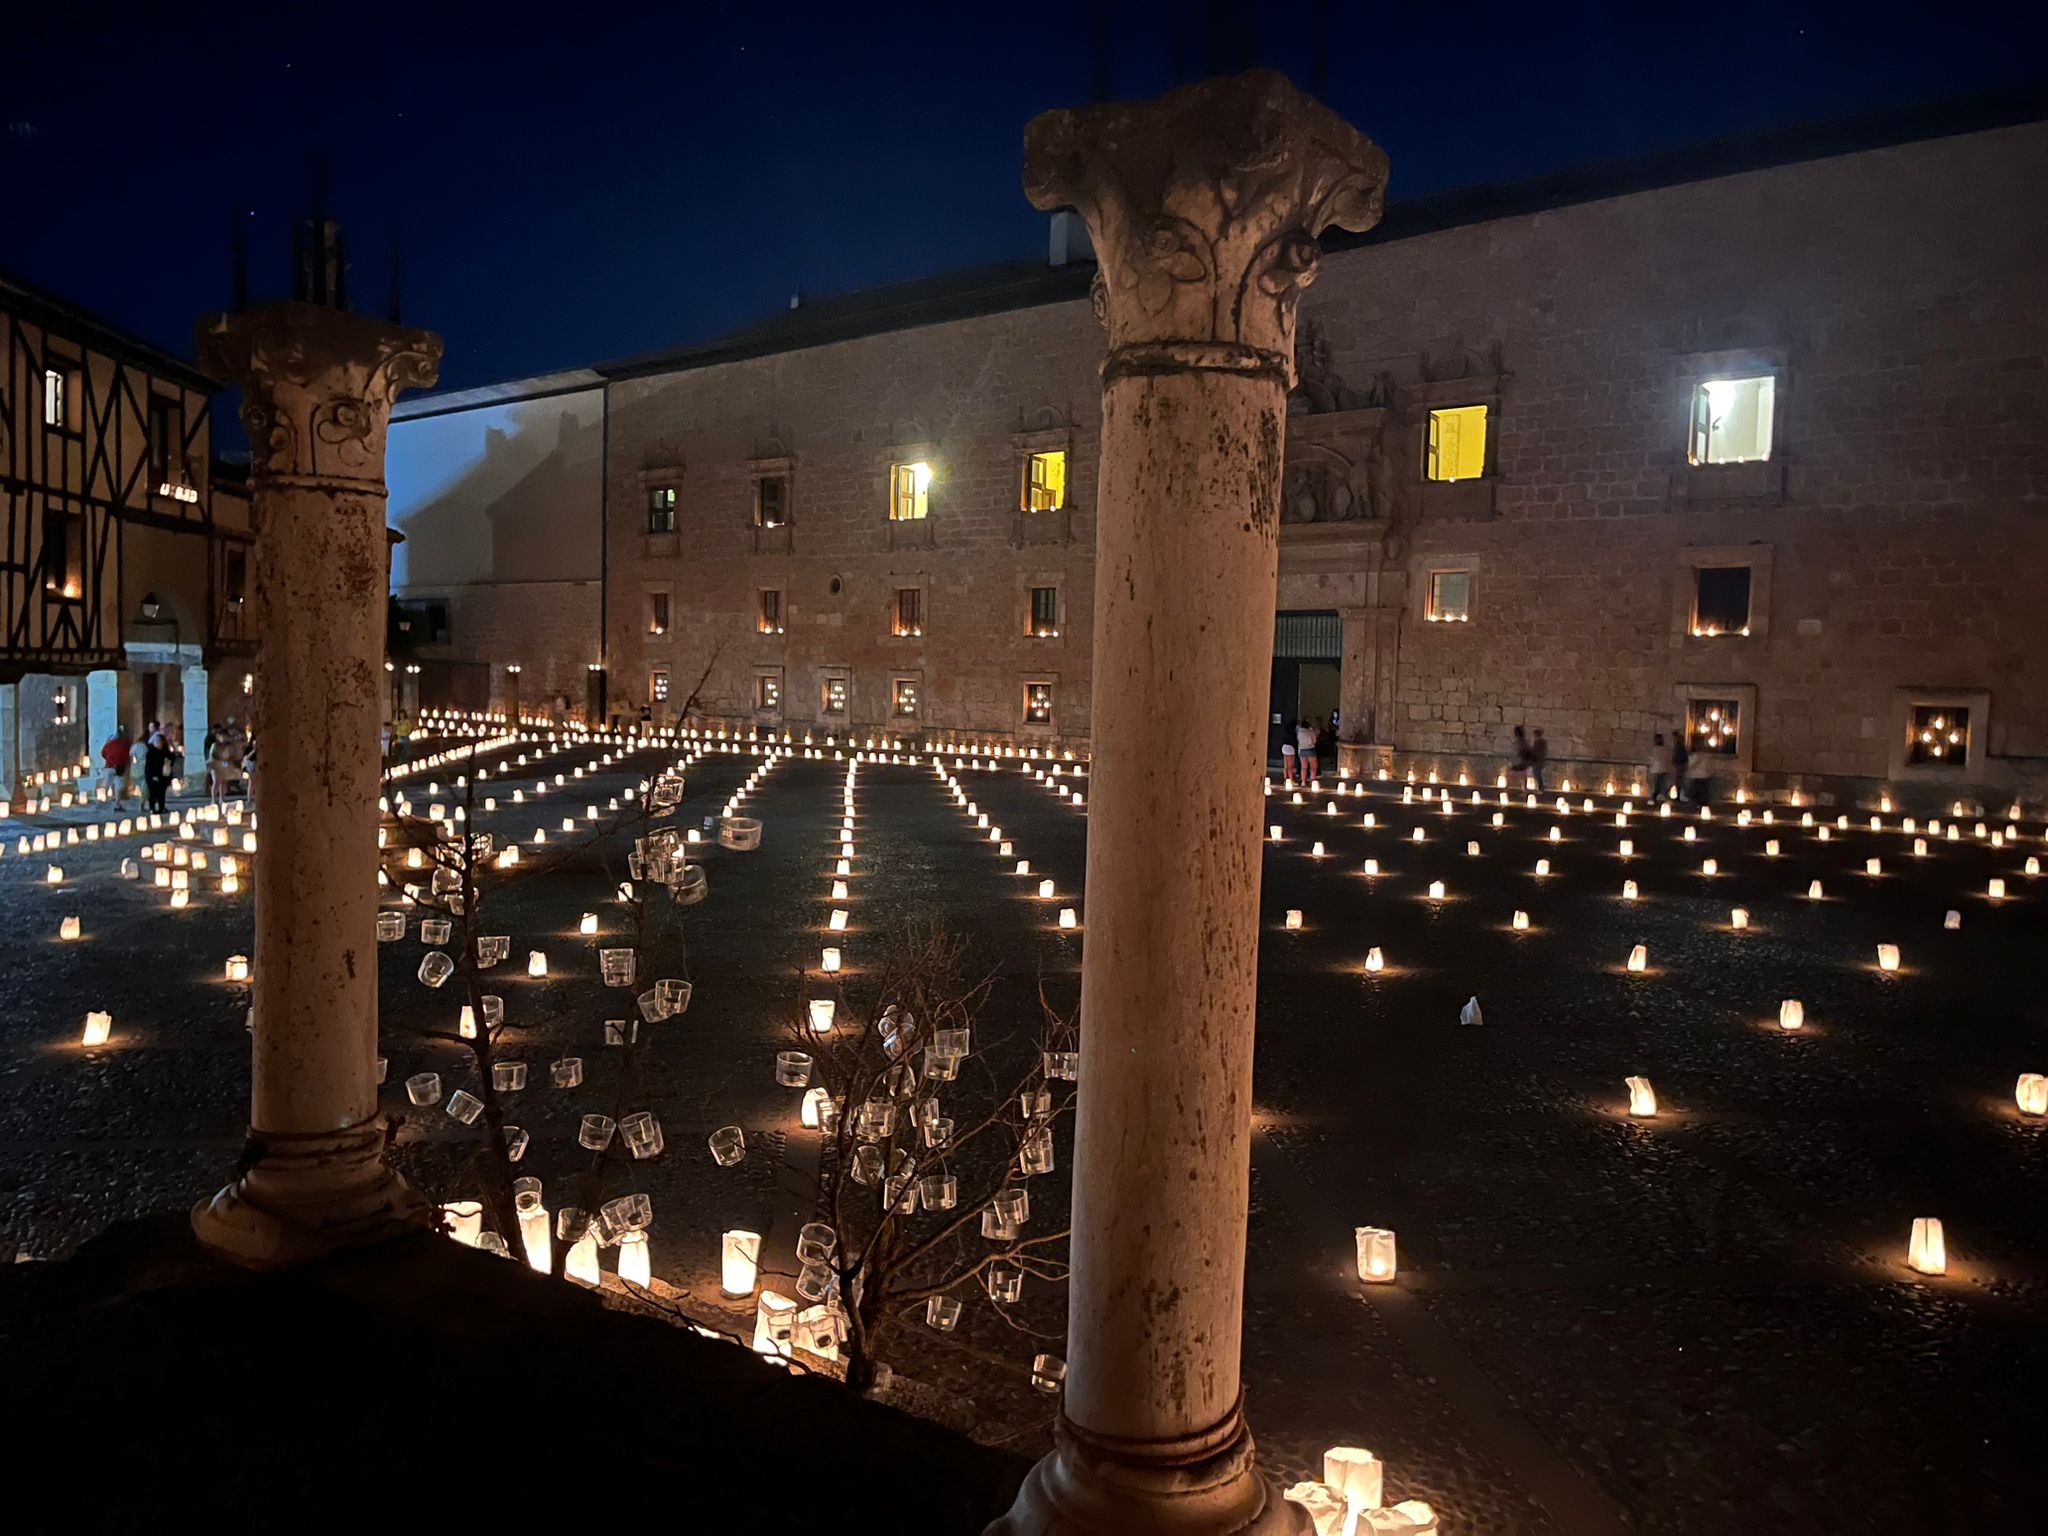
166 442
771 611
771 501
1720 603
909 610
768 691
1711 726
1045 611
238 576
63 554
657 613
1940 737
436 615
661 510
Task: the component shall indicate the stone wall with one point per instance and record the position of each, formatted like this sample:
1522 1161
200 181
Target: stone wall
1894 536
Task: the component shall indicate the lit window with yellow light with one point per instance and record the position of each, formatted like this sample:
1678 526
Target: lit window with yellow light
1045 481
909 491
1712 725
1731 420
1038 703
1457 443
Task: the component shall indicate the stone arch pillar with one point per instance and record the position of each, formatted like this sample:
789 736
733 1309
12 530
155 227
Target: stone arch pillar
1203 206
317 389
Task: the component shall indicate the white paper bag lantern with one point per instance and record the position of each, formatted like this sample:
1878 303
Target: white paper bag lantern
1520 922
1375 1253
1791 1014
1628 890
1045 890
536 962
1436 890
1996 889
1628 848
739 1263
1642 1098
1372 866
2031 1093
1813 892
1294 917
1926 1251
238 968
822 1009
1639 958
99 1028
1069 918
589 924
68 928
1542 866
1374 960
1739 917
1354 1475
837 921
635 1266
1887 957
829 960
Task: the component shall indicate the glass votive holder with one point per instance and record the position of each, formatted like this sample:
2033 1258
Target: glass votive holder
508 1076
1012 1206
465 1106
390 925
435 930
516 1142
642 1134
567 1073
1048 1372
1005 1283
424 1088
572 1224
815 1242
629 1213
942 1313
792 1068
616 967
596 1132
674 995
938 1131
939 1191
435 967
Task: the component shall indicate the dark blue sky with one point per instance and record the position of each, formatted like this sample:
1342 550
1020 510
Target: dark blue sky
578 182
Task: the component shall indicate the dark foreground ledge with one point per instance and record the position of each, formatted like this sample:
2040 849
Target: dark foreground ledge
428 1382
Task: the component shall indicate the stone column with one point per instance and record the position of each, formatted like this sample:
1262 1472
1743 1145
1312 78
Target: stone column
317 389
1203 206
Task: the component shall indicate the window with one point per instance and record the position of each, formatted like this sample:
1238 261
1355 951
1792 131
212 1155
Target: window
771 501
1720 600
657 685
1038 703
909 491
657 613
768 692
1457 443
770 621
1938 737
1731 420
1045 613
661 509
437 622
62 703
63 554
1711 726
832 696
238 577
166 441
909 611
903 698
1045 481
1450 597
56 398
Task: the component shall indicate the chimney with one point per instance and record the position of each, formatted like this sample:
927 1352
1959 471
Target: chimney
1069 242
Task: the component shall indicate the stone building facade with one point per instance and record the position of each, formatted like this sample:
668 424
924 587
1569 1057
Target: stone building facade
1762 460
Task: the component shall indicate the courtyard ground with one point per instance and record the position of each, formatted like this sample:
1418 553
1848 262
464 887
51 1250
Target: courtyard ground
1699 1322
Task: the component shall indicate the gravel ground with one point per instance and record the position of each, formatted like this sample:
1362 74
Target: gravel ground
1697 1323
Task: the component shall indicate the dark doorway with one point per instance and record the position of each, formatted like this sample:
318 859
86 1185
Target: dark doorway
1308 652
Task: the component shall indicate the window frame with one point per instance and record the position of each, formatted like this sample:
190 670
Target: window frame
916 506
1974 703
69 374
1432 611
1699 418
1050 720
1743 696
62 558
914 682
770 618
1028 491
1698 629
663 500
657 686
1689 560
170 469
769 693
843 676
914 627
1034 627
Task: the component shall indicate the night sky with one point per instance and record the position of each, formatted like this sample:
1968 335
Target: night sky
582 182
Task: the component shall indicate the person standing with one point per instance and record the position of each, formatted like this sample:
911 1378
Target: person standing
1518 754
115 758
1539 754
1660 766
1287 763
1305 748
223 760
156 768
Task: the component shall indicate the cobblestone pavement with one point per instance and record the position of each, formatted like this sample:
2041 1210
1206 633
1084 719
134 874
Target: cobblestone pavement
1696 1323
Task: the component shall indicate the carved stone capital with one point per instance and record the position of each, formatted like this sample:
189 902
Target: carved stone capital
1204 205
317 387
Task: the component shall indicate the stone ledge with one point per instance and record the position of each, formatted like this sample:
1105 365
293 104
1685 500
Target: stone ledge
159 1381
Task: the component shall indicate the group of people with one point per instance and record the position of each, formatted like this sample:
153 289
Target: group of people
1314 739
1530 755
229 750
1673 768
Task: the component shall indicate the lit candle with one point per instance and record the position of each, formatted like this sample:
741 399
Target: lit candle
1374 960
1791 1014
1521 920
68 928
1925 1250
740 1262
828 961
1375 1254
1887 957
1639 958
99 1028
1642 1098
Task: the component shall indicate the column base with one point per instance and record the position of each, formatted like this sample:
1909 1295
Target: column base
308 1196
1206 1485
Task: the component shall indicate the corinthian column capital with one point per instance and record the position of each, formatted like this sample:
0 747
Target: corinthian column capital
1204 205
317 387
